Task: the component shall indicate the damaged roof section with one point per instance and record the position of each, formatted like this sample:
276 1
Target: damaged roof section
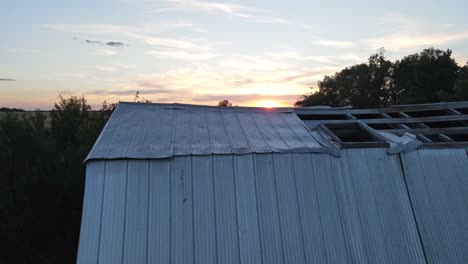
151 131
401 128
148 131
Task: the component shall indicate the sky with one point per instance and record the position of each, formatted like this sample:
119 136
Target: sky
253 53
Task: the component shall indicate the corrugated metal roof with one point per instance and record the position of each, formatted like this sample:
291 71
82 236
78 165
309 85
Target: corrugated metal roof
269 198
365 207
143 131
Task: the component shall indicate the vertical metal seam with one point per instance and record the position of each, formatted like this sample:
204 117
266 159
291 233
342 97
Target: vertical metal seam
225 130
294 176
400 158
295 132
266 145
209 134
276 130
101 134
190 132
359 217
116 132
102 209
275 189
237 212
253 157
171 170
379 223
214 208
319 209
172 139
132 140
341 211
125 211
243 132
192 209
148 210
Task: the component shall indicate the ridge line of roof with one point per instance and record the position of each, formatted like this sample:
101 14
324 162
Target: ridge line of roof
207 107
319 108
199 105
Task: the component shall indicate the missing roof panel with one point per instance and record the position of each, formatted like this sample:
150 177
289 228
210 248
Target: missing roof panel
382 126
394 114
463 110
368 116
443 124
354 135
428 113
438 138
459 137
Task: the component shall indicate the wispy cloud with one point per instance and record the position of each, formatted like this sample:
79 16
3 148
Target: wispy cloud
8 80
118 29
334 43
244 12
105 43
105 68
124 65
338 59
174 43
130 92
99 29
406 33
105 52
230 9
143 34
406 40
92 41
281 77
182 55
246 99
114 43
202 81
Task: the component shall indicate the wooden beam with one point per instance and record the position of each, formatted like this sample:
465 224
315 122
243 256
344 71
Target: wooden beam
396 120
428 131
392 109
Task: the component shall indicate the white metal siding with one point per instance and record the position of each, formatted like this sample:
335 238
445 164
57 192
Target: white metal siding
278 208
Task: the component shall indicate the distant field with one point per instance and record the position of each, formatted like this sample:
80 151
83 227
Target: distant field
31 113
47 114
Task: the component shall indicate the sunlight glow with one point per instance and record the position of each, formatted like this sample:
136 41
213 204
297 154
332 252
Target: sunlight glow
267 104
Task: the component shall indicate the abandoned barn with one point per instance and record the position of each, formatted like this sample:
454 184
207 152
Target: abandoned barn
172 183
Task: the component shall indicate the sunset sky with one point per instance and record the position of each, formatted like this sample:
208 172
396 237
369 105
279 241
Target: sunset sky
262 53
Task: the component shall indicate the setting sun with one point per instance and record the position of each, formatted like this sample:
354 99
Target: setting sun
267 104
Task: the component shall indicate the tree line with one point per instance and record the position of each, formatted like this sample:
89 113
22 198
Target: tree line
429 76
42 179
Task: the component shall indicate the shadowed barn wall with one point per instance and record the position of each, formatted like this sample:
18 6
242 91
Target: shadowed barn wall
364 207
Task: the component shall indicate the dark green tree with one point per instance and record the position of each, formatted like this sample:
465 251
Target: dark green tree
42 180
363 85
426 77
461 86
429 76
28 191
224 103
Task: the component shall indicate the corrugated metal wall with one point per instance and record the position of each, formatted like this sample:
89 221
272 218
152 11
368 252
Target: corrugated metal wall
438 184
278 208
